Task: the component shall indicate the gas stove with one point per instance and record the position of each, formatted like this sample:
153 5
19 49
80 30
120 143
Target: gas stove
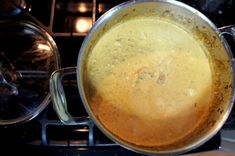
45 134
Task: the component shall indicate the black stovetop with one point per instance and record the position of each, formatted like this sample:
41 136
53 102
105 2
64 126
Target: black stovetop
45 134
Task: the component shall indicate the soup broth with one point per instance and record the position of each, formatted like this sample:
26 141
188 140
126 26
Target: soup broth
151 82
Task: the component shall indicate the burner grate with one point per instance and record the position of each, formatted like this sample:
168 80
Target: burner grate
55 133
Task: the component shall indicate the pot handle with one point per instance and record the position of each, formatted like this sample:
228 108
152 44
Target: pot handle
230 30
59 99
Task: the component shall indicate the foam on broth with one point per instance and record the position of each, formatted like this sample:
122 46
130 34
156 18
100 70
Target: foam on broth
151 80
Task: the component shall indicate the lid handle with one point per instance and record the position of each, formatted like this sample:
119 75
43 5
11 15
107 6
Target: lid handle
8 75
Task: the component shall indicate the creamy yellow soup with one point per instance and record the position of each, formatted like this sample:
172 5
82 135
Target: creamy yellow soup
151 81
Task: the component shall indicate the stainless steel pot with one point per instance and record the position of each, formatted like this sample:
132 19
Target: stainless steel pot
191 20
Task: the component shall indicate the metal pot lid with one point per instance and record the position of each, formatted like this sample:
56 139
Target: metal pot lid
28 56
